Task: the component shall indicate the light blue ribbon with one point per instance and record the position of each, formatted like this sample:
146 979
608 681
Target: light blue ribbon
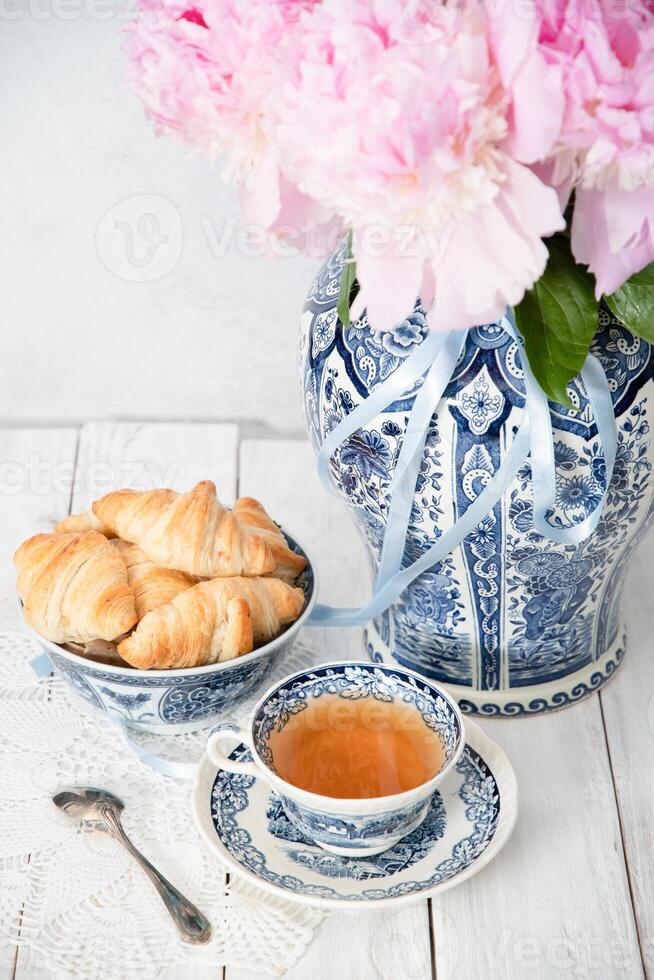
43 667
438 356
401 381
403 484
543 464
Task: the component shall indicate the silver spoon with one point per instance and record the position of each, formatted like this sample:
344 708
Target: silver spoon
102 809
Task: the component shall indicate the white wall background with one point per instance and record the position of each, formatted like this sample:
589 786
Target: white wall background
213 338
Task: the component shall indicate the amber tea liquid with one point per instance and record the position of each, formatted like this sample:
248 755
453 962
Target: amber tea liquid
356 749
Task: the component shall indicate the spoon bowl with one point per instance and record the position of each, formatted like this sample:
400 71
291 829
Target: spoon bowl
87 804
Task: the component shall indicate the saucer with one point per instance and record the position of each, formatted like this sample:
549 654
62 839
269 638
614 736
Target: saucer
470 819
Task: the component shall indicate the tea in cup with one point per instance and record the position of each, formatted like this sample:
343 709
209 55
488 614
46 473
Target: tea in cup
353 750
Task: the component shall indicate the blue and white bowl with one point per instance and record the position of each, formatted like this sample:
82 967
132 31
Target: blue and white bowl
185 700
350 827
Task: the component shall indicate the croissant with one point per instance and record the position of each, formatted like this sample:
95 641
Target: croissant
86 521
252 515
191 532
74 587
153 586
213 621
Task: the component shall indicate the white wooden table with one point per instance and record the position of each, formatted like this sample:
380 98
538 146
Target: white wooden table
572 895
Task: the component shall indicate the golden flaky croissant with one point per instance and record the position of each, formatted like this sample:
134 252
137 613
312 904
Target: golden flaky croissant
153 585
78 523
74 587
213 621
253 515
191 532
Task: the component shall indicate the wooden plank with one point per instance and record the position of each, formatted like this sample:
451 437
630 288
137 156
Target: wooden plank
8 962
36 478
556 901
282 474
143 455
628 708
113 455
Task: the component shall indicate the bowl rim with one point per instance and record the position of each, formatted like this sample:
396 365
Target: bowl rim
225 665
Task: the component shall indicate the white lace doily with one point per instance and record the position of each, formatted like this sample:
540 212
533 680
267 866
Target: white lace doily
72 895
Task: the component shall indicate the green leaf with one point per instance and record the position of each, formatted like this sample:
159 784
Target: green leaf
348 279
633 303
558 320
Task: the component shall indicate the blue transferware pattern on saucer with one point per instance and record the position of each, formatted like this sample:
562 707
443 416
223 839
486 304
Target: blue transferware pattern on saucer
174 701
470 818
406 852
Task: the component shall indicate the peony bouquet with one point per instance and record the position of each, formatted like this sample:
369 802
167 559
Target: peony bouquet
480 153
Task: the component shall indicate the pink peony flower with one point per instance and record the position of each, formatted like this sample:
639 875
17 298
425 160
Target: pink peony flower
613 232
404 140
203 70
602 56
530 79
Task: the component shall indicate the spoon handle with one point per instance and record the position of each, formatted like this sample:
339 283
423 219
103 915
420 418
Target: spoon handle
192 925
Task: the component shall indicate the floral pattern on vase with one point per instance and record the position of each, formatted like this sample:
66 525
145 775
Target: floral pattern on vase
514 622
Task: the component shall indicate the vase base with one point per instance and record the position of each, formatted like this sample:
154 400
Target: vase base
517 701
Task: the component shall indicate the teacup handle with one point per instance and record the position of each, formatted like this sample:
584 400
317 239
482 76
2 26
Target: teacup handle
219 754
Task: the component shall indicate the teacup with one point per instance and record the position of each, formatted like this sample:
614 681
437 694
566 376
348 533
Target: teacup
351 827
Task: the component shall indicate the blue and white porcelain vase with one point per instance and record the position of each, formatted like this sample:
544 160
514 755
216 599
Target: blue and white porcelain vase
512 622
